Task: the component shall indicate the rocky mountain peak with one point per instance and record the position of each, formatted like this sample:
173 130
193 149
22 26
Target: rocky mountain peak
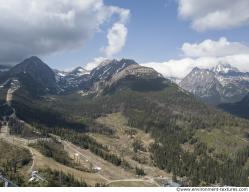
197 70
110 67
34 70
137 71
224 69
223 83
82 79
32 64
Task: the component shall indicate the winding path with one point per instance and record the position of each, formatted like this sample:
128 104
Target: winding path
5 130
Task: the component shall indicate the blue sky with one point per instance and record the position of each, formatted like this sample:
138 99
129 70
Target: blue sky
171 36
156 33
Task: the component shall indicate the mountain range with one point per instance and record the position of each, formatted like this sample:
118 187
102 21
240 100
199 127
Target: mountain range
135 119
221 84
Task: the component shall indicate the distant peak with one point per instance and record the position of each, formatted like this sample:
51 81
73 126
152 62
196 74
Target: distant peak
33 58
106 62
224 68
123 61
197 69
32 65
31 61
79 71
128 61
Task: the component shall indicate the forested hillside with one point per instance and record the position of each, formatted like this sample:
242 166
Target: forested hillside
174 118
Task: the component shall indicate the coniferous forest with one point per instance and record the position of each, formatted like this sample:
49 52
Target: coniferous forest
171 130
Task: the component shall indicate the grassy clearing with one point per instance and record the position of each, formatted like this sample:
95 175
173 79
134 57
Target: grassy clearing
53 149
42 162
13 153
124 134
122 143
108 170
222 141
14 163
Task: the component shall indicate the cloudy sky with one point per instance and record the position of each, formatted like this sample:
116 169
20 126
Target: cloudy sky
172 36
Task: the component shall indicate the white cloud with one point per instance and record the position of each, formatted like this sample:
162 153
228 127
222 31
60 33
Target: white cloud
214 14
180 68
35 27
206 54
210 48
95 63
117 34
116 39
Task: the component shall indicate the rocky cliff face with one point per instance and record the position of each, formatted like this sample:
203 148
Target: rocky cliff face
221 84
